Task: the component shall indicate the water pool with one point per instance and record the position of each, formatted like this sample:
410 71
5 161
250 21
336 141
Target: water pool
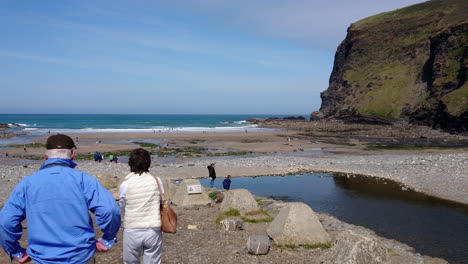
432 226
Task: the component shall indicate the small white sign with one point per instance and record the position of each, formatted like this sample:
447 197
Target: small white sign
194 188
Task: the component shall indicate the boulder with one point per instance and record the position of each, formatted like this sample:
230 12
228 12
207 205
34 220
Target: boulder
297 224
355 248
240 199
170 189
258 244
108 181
183 198
232 224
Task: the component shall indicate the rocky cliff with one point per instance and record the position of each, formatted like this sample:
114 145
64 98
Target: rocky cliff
409 64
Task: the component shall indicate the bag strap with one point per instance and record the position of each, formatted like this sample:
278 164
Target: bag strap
159 187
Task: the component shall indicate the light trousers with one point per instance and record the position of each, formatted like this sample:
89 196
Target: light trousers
142 242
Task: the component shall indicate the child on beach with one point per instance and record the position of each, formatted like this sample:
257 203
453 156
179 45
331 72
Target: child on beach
227 183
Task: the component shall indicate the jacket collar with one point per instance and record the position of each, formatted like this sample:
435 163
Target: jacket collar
132 174
63 162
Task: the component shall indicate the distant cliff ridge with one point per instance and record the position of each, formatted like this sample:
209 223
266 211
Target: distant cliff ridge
409 64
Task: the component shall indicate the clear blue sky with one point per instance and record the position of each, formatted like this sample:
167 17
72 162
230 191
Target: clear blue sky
163 57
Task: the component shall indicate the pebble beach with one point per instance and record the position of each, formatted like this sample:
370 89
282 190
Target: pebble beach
443 175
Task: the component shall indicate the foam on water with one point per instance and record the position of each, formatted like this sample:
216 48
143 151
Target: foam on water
43 131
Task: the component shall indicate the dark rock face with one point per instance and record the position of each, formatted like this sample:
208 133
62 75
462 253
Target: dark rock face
287 118
442 80
409 64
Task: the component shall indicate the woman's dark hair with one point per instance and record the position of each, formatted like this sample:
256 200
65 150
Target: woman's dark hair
139 161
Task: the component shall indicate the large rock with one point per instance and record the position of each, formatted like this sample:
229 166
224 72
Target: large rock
240 199
170 189
182 198
297 224
354 248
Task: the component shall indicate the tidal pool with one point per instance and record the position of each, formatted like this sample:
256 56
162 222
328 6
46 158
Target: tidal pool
432 226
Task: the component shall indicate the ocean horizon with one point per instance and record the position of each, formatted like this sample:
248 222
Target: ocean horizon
43 124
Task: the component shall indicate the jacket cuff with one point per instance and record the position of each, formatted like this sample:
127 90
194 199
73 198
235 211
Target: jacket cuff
18 254
108 243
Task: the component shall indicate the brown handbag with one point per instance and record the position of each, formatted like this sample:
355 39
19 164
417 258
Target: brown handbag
168 216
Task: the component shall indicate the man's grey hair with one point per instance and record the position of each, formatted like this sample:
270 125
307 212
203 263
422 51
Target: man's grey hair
59 153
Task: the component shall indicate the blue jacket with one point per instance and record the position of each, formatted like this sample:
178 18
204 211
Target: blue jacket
227 183
55 202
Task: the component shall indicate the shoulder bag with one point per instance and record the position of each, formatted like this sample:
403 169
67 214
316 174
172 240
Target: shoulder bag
168 216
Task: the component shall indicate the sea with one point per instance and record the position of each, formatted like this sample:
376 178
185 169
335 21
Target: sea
33 125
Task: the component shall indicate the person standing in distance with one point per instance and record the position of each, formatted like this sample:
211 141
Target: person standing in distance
212 174
227 183
140 203
55 201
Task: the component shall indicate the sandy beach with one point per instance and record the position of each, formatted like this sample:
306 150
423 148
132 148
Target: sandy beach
438 172
258 142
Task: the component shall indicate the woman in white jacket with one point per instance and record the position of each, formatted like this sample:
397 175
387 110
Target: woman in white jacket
140 202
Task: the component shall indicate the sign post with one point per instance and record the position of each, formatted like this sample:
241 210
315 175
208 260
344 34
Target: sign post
194 188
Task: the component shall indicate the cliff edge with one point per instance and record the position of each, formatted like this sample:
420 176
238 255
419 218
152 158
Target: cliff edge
409 64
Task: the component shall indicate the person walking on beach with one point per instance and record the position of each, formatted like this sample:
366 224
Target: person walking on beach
227 183
211 174
56 201
97 156
140 203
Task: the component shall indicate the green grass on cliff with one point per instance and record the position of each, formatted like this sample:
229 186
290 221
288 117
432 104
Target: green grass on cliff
451 10
457 101
384 68
387 94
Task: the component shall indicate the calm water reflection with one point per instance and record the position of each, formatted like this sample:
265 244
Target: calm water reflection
432 226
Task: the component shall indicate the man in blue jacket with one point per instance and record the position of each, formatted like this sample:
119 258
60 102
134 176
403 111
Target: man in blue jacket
55 201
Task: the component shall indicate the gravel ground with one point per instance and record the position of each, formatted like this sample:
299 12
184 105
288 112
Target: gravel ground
441 175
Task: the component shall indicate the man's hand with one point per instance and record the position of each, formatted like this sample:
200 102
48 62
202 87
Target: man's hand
23 259
100 247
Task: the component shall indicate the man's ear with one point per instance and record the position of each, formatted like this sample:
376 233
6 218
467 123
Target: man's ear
73 152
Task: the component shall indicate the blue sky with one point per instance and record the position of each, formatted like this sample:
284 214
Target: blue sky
172 57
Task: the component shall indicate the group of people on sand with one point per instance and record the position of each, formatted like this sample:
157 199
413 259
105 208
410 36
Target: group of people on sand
98 157
113 158
56 201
